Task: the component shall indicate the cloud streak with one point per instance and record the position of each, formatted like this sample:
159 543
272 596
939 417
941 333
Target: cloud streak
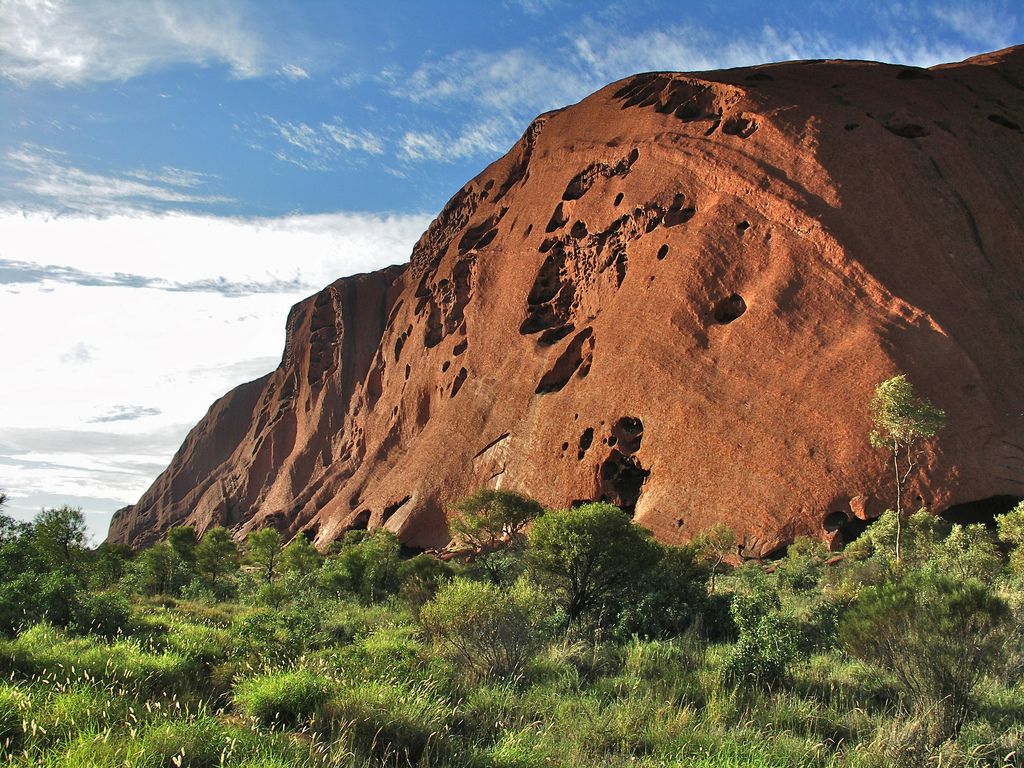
48 177
70 42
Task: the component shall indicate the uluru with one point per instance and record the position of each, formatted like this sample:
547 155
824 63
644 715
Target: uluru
676 296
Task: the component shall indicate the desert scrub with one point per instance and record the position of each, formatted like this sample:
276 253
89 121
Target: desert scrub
45 653
14 708
284 698
390 721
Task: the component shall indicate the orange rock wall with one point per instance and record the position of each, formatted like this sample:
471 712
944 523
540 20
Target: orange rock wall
676 295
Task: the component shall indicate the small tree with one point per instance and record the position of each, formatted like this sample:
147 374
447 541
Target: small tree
263 549
60 535
216 557
1010 529
593 556
300 558
901 421
491 521
713 545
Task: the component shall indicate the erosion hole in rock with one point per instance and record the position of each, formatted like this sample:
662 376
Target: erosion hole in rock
586 440
361 521
679 522
851 126
408 370
908 130
575 357
741 127
554 335
579 230
742 226
759 76
662 252
558 219
617 200
529 229
391 509
460 379
981 511
445 366
628 433
622 478
1005 122
565 447
459 348
729 309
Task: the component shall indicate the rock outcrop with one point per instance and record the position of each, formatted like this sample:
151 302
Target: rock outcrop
677 296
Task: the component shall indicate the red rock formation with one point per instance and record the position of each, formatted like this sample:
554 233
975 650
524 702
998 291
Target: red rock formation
676 295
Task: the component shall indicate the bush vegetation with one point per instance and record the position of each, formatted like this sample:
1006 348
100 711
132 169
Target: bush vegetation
564 637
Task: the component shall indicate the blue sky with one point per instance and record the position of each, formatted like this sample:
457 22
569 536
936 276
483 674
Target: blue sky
174 175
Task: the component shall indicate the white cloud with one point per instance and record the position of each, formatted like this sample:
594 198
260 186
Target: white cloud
485 138
74 42
320 146
103 380
989 24
48 176
294 72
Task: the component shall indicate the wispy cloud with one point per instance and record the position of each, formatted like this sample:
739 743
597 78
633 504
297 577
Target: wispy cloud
125 413
489 137
71 42
318 147
48 176
22 272
294 72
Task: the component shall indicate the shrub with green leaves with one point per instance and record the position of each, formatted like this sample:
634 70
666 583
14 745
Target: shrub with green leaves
283 698
486 629
936 635
766 640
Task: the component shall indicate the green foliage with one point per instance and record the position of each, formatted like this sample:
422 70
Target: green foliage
713 546
300 558
665 602
263 550
491 521
934 634
102 613
1010 529
367 568
969 553
60 536
488 630
592 557
217 559
282 698
420 577
901 420
766 641
803 567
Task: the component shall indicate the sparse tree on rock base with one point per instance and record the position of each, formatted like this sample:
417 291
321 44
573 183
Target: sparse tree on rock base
901 422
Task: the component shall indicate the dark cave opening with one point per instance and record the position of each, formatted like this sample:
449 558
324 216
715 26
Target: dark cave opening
982 511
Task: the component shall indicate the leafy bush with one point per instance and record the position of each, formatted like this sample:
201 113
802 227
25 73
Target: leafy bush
103 613
487 630
390 720
937 636
284 698
766 641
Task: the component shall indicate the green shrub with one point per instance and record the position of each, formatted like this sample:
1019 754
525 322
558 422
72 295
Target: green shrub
14 707
284 698
937 636
486 629
104 613
766 641
390 720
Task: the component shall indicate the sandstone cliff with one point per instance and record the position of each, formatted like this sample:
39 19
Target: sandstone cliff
676 295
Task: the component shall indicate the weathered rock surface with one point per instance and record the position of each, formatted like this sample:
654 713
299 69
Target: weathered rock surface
676 295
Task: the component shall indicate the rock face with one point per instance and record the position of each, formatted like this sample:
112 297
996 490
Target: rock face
678 296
